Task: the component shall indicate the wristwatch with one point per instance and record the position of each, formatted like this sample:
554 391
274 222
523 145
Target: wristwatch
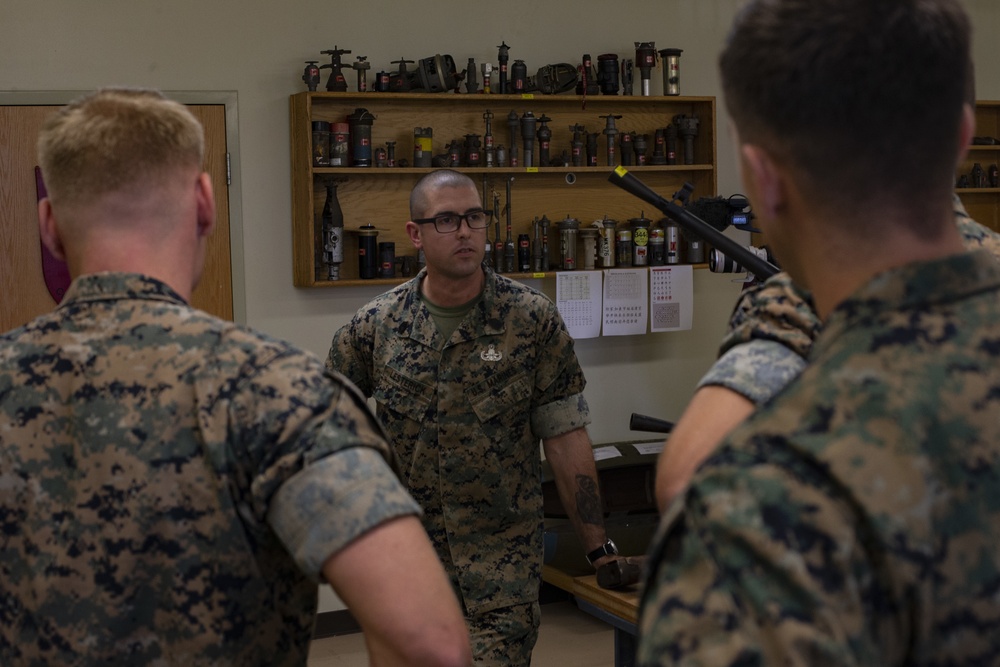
606 549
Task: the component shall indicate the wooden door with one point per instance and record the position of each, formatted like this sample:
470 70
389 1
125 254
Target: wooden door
23 294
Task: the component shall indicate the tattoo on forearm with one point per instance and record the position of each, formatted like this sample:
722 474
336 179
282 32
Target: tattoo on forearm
588 501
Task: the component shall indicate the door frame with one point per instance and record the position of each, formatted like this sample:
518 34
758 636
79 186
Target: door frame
228 99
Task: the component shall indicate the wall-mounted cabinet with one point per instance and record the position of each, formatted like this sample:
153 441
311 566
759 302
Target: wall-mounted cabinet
379 196
983 203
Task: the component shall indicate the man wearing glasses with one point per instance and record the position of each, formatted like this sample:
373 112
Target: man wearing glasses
469 371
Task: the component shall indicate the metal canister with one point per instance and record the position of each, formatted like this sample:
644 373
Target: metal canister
657 246
422 146
367 253
673 233
588 240
606 243
340 139
361 137
623 247
640 240
387 259
568 231
321 143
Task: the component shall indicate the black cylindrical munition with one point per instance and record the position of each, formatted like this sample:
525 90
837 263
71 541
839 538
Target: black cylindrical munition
627 148
537 262
592 149
488 136
367 252
610 131
503 56
607 73
512 122
528 125
687 129
671 132
510 251
544 225
498 256
579 131
519 77
361 137
659 156
387 259
390 147
523 253
627 76
381 84
454 154
640 148
471 84
544 138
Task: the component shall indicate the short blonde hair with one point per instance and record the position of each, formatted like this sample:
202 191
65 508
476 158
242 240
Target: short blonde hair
115 140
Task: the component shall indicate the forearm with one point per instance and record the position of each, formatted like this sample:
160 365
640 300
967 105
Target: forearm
711 414
393 583
575 472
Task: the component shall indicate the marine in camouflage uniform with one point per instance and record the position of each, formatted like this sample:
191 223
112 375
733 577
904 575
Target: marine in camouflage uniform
161 471
465 414
839 524
773 326
851 519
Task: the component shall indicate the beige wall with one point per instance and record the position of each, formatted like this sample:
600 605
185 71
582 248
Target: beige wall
257 48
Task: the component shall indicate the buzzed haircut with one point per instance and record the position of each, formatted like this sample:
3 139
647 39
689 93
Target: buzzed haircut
442 178
115 140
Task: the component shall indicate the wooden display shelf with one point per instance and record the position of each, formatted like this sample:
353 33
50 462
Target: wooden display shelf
379 196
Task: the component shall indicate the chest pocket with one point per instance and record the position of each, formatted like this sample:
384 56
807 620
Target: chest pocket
500 395
402 394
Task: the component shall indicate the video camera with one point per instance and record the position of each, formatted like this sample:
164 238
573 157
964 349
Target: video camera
721 212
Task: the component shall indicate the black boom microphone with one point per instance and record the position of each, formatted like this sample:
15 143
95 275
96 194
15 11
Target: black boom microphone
761 268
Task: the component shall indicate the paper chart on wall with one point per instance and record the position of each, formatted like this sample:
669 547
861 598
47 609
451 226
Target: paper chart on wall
625 302
671 298
578 298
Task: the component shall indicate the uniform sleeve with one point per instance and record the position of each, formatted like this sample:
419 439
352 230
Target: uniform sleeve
758 564
757 369
777 311
314 465
350 354
322 508
559 406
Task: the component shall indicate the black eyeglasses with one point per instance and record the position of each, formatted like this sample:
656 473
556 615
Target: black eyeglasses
448 223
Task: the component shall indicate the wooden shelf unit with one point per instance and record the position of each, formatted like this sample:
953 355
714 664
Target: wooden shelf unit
380 196
983 204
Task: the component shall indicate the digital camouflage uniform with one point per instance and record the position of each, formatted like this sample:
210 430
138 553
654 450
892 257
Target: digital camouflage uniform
465 416
171 484
773 326
854 519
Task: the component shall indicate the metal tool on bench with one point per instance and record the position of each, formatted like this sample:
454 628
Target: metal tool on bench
621 572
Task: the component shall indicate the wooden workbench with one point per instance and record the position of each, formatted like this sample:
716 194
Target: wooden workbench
619 608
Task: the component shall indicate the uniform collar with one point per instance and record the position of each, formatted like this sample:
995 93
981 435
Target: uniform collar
111 286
